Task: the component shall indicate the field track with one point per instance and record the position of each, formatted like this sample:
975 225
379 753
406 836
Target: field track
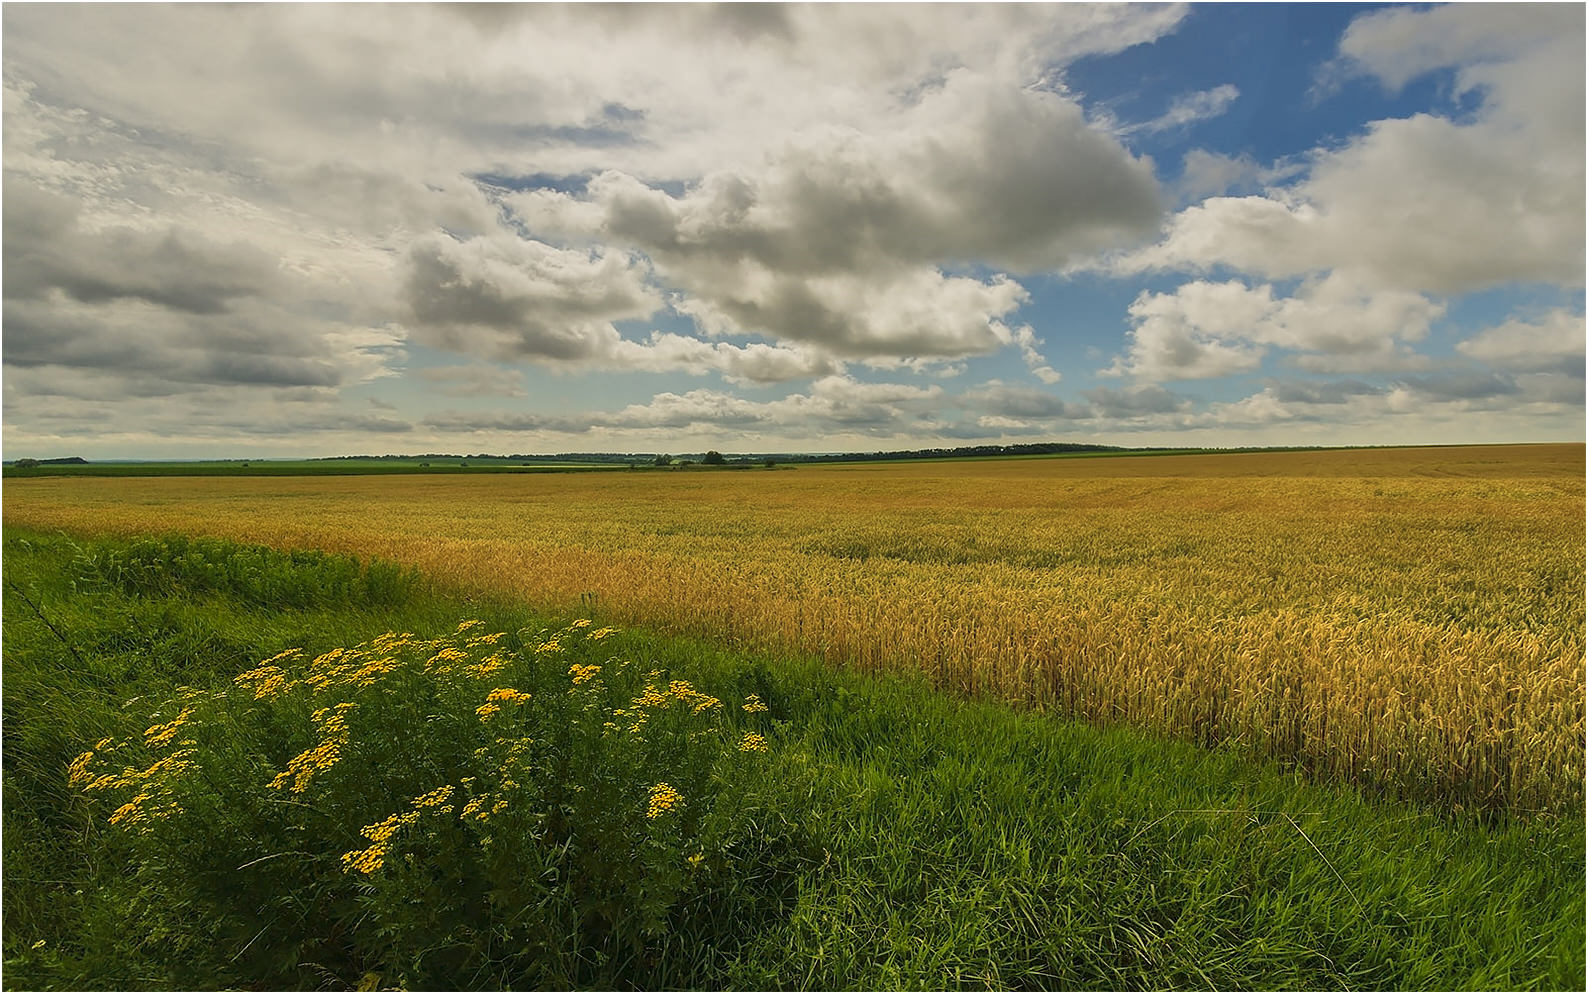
1411 619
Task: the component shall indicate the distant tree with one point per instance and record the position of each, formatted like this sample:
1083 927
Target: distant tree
27 464
713 458
770 463
664 460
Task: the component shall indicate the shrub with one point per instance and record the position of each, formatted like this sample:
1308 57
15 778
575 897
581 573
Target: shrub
481 809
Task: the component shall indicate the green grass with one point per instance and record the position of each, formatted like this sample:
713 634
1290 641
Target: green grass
920 841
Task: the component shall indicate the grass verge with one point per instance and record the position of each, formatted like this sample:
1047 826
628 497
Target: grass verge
902 839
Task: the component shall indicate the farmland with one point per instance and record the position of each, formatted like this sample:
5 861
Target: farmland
1284 719
1406 621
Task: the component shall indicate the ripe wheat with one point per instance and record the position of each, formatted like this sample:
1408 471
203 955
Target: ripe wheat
1408 619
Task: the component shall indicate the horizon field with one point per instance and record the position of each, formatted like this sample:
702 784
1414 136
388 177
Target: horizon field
1044 581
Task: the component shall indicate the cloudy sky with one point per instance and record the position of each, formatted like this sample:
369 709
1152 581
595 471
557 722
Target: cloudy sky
324 229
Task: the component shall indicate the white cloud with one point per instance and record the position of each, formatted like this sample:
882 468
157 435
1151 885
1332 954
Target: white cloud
914 313
834 404
841 238
1485 41
1202 330
1554 342
756 362
504 297
1425 203
1023 404
1205 330
1204 173
322 178
1188 108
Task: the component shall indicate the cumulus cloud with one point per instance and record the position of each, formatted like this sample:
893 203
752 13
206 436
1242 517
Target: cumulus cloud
755 362
1204 173
1553 343
1204 330
504 297
841 239
813 185
820 189
1426 203
48 248
833 404
1009 405
1135 401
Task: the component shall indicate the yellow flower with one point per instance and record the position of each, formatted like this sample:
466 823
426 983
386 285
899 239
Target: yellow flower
491 664
302 769
652 698
268 681
581 623
753 704
156 736
434 799
663 799
77 773
128 811
365 860
495 699
681 690
599 634
447 655
327 658
582 674
753 743
366 675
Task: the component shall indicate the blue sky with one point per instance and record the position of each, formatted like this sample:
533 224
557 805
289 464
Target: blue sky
311 230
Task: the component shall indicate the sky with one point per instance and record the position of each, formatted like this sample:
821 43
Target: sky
310 230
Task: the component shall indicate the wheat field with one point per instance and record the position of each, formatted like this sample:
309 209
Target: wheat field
1410 620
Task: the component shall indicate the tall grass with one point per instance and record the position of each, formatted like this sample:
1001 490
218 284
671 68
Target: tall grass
1409 620
889 837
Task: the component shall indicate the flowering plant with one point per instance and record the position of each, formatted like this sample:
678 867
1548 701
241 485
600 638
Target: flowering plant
524 803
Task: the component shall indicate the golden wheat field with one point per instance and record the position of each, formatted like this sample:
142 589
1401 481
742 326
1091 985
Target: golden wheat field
1409 619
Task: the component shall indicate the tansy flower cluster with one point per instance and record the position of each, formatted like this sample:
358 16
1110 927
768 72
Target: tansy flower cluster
303 768
663 799
498 697
158 736
382 712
